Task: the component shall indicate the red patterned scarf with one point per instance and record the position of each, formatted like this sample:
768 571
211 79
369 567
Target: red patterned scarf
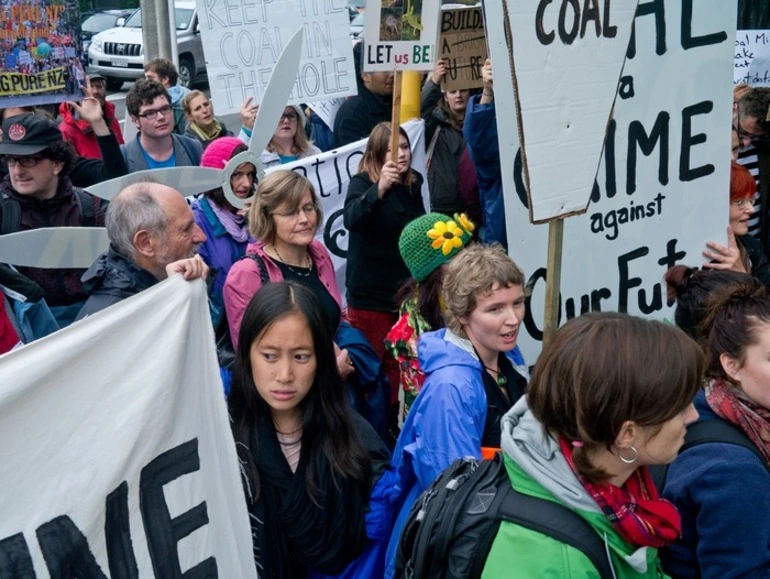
730 403
636 510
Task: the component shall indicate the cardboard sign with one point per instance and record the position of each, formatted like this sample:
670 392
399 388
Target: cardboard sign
243 39
122 464
663 184
39 40
463 46
567 61
400 34
752 57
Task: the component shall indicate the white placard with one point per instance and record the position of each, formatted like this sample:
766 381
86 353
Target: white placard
752 57
400 34
567 60
664 179
327 110
114 457
242 40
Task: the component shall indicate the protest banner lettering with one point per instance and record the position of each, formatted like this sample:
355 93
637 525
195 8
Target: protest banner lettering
663 184
242 40
567 63
39 43
752 57
122 464
463 46
400 35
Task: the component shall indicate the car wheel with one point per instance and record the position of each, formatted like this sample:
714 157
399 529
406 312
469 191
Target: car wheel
114 84
186 72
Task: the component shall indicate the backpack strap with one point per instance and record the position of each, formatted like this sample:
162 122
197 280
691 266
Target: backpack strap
10 214
263 277
558 522
86 202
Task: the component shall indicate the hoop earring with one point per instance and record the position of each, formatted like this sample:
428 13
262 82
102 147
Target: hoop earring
629 460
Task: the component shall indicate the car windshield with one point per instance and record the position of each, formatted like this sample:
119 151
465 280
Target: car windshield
183 17
98 22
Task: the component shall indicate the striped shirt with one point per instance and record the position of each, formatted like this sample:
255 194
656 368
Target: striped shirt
747 156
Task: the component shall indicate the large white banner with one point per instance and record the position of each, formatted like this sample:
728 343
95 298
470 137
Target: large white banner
752 57
330 174
663 184
242 40
116 458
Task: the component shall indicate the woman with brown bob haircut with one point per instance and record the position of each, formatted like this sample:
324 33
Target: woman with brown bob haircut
721 487
610 395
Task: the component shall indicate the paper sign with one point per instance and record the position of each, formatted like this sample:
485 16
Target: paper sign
400 35
38 48
116 461
752 57
463 46
567 63
327 110
243 39
663 185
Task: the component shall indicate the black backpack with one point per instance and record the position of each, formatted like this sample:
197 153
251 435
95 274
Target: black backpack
452 525
702 432
10 211
225 349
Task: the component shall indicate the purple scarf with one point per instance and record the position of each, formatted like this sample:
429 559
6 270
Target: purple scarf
233 223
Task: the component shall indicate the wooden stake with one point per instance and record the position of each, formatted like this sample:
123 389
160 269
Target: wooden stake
395 120
553 280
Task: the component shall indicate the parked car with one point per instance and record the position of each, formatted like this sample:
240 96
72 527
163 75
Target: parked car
118 54
96 22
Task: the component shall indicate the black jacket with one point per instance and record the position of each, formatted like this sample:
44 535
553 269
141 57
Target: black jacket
763 158
760 266
375 270
359 115
111 279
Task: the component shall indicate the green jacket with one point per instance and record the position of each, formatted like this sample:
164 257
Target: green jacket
519 553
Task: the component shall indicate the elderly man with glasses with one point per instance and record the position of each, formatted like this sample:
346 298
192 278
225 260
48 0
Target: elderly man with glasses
156 146
751 128
36 193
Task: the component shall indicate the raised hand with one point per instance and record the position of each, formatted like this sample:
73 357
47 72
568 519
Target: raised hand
725 258
248 113
389 176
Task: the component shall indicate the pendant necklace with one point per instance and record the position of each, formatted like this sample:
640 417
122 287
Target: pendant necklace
299 273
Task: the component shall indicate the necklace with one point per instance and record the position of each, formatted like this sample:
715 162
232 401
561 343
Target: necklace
500 379
299 273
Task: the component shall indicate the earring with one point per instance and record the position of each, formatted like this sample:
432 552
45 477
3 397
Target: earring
629 460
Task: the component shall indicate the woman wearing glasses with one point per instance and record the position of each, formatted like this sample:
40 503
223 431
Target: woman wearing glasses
284 219
289 141
744 252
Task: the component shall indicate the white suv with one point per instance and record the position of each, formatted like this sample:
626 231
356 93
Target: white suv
118 55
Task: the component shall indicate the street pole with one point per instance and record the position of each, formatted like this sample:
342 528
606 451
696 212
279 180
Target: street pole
156 37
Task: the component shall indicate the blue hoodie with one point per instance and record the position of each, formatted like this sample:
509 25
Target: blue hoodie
721 491
446 421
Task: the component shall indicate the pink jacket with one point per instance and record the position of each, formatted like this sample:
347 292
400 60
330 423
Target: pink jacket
243 281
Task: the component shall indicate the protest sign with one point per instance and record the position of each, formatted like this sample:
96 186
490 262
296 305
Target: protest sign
567 63
39 41
400 34
752 57
327 110
463 46
117 460
663 183
330 174
242 40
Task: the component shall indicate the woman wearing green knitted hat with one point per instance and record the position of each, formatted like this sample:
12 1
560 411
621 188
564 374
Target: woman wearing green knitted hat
426 244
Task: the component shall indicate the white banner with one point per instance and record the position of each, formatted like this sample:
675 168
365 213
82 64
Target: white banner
752 57
242 40
663 184
116 458
330 174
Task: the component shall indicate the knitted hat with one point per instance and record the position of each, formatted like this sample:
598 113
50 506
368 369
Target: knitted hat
219 152
432 240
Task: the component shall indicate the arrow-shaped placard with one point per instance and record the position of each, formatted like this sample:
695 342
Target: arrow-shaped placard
56 247
567 59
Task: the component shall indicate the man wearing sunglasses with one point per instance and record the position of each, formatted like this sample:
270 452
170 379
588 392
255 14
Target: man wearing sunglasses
36 193
751 127
156 146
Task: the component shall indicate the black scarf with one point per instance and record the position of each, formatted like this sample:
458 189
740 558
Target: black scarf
291 533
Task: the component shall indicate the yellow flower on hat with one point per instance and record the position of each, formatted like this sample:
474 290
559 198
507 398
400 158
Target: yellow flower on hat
446 235
464 222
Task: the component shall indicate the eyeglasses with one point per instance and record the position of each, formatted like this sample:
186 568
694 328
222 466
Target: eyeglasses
743 134
308 209
25 162
742 203
291 117
151 114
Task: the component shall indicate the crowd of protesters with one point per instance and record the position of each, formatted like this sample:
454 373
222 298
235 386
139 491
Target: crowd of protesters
347 402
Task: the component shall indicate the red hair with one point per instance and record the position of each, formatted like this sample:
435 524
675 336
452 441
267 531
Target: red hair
742 184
